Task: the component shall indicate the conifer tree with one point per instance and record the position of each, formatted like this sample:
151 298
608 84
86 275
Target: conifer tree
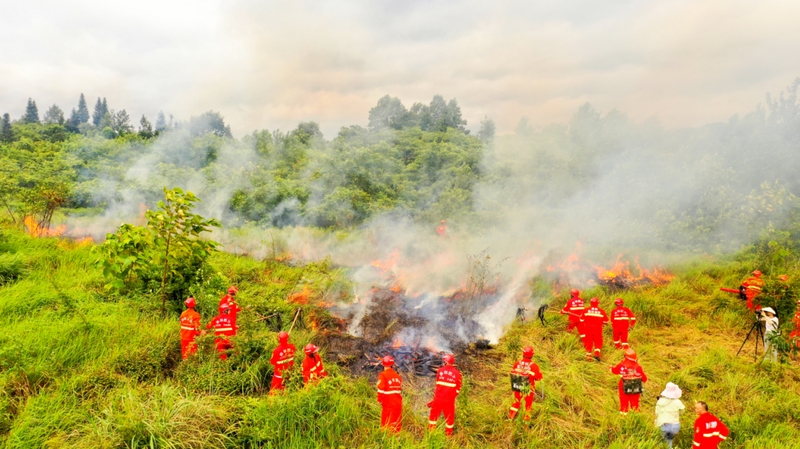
5 129
82 114
161 122
31 113
100 110
145 128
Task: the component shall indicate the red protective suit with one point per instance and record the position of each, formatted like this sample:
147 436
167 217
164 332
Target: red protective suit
441 230
593 319
574 309
622 320
190 329
230 302
448 385
223 327
391 399
708 432
628 369
794 336
312 368
525 367
753 286
282 360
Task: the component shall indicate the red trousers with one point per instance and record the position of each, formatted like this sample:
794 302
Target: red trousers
449 410
392 414
277 382
594 338
575 325
512 413
621 337
627 401
750 297
188 347
223 344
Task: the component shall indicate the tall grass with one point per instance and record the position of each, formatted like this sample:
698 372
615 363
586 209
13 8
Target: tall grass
81 369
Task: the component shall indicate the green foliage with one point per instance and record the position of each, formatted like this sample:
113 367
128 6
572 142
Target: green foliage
169 250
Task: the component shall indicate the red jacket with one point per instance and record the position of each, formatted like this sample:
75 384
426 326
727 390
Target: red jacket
223 325
709 432
448 384
753 285
629 369
390 388
190 325
526 367
573 308
313 369
622 318
594 318
283 357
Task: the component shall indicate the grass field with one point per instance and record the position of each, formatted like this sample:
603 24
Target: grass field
79 368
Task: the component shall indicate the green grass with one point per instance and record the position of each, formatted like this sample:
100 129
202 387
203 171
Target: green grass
81 369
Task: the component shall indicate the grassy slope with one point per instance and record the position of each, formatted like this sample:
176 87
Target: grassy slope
79 369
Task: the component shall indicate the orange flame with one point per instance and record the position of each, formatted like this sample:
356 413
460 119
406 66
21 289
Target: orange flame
38 231
301 297
571 263
622 271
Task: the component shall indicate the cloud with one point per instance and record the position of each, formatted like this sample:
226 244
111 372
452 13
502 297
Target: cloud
274 64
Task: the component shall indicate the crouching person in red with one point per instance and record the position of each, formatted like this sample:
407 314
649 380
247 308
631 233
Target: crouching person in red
448 385
390 396
282 361
708 429
630 383
312 365
524 375
224 328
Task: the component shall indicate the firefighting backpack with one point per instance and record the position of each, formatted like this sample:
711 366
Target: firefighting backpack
520 383
632 386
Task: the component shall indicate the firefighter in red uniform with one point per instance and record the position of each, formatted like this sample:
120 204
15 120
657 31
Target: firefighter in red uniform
312 365
630 383
795 335
190 328
224 328
390 396
593 319
230 301
752 288
528 370
448 385
622 320
282 360
574 309
442 229
708 429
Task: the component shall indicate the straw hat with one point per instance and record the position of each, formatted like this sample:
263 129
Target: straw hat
672 391
769 309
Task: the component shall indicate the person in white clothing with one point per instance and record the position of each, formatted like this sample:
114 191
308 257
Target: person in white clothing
771 324
668 410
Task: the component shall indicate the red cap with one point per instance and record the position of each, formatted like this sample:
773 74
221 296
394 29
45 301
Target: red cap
594 301
630 354
190 302
575 292
233 290
310 349
757 273
283 337
387 361
619 301
527 352
448 359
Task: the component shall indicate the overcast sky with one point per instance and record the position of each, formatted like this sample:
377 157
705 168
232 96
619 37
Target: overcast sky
272 64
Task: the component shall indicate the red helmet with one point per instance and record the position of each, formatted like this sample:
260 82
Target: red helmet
448 359
575 292
783 278
757 273
310 349
443 221
594 301
630 354
527 352
225 307
190 302
387 361
283 337
233 290
619 301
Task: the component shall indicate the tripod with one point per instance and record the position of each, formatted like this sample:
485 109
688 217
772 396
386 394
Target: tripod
758 327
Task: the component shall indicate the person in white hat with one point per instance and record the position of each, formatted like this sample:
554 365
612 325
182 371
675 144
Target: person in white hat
668 410
771 324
